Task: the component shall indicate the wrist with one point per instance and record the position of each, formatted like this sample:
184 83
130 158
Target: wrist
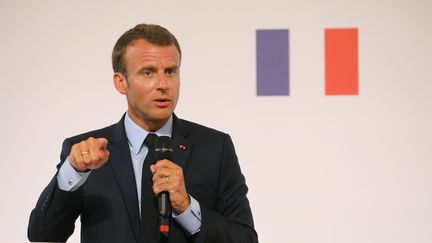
187 203
81 170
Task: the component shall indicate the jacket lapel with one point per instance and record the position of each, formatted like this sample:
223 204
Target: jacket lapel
121 164
181 143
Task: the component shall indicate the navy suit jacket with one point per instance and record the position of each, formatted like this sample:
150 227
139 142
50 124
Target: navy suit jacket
108 201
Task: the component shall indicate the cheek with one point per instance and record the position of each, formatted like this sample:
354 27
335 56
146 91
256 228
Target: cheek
143 88
176 87
138 95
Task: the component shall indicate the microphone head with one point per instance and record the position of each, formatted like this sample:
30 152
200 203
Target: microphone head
163 148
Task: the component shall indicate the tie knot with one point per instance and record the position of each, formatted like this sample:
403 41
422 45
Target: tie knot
150 140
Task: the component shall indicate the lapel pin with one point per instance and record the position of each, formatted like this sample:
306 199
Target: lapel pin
182 146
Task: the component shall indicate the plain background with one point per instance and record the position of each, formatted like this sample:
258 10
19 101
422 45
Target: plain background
321 169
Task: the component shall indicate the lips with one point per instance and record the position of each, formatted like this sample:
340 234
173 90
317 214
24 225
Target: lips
162 102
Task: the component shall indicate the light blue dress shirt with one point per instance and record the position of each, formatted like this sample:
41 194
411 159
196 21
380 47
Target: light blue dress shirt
70 180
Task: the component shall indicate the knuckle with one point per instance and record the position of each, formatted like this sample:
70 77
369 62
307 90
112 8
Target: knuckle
75 148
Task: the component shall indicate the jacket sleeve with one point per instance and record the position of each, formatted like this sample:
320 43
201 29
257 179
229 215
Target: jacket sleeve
53 218
231 221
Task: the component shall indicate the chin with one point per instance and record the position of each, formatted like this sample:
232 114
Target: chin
162 116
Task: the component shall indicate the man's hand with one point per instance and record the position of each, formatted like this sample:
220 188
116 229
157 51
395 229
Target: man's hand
168 176
89 154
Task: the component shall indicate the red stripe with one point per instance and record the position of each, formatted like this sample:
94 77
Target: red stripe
164 228
341 58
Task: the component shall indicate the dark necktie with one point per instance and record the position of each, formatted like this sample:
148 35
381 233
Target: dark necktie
149 209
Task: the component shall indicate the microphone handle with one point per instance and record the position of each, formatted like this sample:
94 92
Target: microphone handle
164 204
164 213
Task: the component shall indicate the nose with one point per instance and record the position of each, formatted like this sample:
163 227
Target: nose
163 82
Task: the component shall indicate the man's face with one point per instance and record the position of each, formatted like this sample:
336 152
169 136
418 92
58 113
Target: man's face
153 82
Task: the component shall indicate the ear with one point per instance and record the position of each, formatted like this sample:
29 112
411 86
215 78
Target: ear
120 83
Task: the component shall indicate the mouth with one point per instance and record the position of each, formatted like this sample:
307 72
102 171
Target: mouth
162 102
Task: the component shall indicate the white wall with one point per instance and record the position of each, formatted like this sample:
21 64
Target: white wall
344 169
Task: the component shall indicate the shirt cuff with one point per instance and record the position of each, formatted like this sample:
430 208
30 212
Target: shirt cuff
190 219
68 179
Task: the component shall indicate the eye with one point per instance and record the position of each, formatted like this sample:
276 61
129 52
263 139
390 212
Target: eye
147 73
171 71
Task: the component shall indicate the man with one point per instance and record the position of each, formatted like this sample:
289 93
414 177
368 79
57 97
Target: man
104 175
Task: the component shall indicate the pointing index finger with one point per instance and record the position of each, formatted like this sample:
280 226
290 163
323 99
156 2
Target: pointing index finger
102 142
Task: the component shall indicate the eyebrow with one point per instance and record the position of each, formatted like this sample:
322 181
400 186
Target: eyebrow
153 68
172 68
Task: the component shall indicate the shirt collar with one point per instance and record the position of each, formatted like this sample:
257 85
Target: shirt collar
137 134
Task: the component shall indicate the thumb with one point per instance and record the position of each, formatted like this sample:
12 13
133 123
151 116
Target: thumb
103 154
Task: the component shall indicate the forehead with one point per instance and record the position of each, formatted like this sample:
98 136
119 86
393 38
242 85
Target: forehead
141 51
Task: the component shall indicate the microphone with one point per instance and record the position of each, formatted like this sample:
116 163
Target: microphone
163 150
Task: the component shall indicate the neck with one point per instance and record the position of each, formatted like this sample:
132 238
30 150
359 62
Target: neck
146 124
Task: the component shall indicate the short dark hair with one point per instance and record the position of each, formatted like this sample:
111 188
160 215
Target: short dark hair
152 33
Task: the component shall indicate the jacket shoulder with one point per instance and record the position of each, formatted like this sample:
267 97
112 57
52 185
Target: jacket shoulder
198 129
